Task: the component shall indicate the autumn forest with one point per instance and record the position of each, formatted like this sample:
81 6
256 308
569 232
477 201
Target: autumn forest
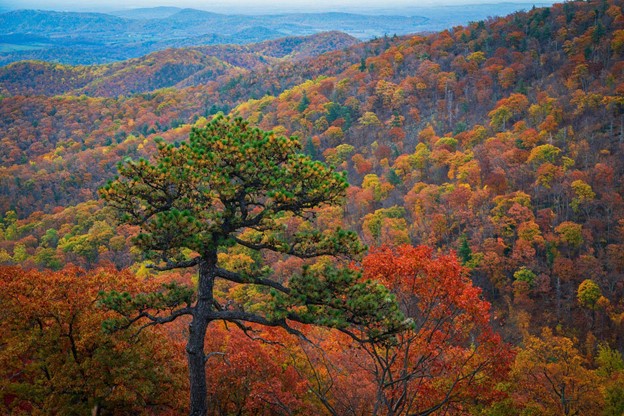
424 224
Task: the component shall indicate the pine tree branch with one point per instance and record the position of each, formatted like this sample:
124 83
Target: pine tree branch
292 251
237 317
238 278
175 265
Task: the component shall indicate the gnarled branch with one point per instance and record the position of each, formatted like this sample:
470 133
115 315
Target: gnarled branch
175 265
238 278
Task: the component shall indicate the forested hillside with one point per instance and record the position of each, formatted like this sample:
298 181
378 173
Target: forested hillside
484 167
169 68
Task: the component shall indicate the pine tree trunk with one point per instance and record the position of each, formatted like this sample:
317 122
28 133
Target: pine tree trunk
197 334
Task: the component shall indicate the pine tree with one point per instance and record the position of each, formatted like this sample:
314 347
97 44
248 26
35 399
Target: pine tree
232 185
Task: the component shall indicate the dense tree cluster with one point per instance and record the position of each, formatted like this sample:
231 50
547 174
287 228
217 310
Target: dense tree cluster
483 164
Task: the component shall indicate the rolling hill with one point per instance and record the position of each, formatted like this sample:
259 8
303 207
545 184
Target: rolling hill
88 38
163 69
501 141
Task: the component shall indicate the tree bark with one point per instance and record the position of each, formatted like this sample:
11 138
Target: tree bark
197 334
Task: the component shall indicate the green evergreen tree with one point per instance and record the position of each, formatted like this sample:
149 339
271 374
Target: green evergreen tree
464 252
393 178
362 65
304 103
231 186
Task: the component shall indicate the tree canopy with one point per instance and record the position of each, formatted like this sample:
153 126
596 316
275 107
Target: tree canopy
234 189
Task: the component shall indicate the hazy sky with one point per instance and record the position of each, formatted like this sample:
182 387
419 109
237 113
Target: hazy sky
241 6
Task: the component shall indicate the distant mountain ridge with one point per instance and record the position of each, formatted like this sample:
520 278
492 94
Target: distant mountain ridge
168 68
78 38
159 12
91 38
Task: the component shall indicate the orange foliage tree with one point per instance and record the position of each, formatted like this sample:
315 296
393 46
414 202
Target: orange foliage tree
55 357
551 378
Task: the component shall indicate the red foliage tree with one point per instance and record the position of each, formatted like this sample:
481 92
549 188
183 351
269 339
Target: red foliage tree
450 355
